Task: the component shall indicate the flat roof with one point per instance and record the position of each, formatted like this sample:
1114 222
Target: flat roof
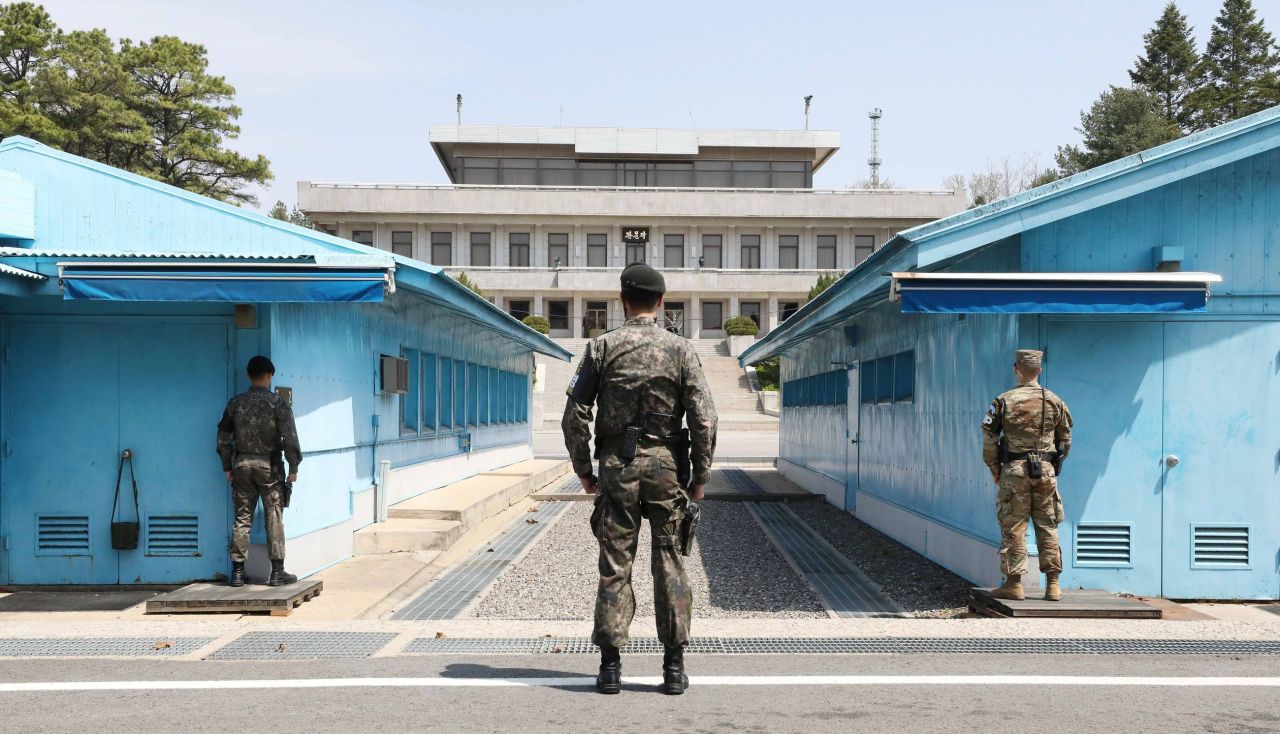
636 141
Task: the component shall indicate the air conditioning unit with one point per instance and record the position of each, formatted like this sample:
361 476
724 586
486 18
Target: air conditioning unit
395 375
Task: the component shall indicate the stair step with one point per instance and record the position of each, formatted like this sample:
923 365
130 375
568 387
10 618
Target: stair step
407 536
476 498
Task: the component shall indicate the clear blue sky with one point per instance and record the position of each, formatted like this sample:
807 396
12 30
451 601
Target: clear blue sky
345 91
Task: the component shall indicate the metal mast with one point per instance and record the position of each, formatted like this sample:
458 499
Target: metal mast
874 161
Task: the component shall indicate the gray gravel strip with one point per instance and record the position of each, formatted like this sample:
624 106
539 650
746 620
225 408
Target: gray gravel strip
735 572
918 585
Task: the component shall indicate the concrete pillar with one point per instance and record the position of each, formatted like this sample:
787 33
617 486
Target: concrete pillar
539 308
578 247
499 252
695 246
576 312
538 248
733 306
693 316
500 301
731 249
770 317
769 249
808 249
615 256
846 256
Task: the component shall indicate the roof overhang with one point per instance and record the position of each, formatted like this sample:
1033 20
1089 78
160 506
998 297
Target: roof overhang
1173 292
228 282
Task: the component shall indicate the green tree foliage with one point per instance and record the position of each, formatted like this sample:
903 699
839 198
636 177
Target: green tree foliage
741 326
1169 67
825 281
292 216
469 283
537 323
151 108
767 374
1124 121
1241 68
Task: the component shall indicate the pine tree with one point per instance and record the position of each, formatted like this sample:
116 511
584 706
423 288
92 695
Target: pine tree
1170 66
1123 121
292 216
1241 68
27 38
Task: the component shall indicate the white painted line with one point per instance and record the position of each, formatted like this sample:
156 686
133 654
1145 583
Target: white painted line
709 680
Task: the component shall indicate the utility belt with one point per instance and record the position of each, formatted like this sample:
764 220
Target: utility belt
635 437
1034 461
1049 456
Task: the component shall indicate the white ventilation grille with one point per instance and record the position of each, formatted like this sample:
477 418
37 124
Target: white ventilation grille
173 535
62 535
1220 545
1104 544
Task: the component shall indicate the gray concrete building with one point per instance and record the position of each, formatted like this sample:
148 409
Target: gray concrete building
544 219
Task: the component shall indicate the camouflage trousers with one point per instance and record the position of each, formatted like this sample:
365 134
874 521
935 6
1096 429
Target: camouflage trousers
252 480
1021 498
646 488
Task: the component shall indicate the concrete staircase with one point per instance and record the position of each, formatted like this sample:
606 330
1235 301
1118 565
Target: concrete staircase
434 521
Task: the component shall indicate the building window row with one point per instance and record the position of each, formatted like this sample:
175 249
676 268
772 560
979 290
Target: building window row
451 394
827 388
890 379
488 171
674 253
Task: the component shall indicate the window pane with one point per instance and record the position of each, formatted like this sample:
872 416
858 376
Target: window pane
402 243
430 392
558 172
409 402
750 251
635 253
482 171
459 394
827 251
518 309
362 237
863 246
597 250
673 174
867 382
673 250
904 376
519 243
480 250
717 174
558 314
751 174
788 251
712 315
446 394
788 309
594 173
442 248
884 379
519 171
557 250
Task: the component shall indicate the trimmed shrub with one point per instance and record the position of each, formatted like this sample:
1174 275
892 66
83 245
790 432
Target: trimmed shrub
741 326
767 374
537 323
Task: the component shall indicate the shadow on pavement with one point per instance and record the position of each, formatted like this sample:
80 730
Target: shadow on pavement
476 670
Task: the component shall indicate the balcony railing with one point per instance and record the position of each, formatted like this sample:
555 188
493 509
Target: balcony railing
641 189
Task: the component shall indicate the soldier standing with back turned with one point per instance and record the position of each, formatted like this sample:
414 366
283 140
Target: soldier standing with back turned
1026 435
643 380
256 426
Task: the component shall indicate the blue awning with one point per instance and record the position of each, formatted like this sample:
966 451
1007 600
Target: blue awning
225 282
1052 292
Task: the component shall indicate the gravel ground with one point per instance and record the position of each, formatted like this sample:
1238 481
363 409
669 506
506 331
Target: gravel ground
747 577
919 585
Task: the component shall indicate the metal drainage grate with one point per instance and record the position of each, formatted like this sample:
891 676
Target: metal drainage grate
741 482
450 594
101 646
303 645
843 586
851 646
571 484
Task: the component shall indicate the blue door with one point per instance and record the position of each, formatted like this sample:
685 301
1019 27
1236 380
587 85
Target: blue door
854 404
76 393
1110 374
1222 494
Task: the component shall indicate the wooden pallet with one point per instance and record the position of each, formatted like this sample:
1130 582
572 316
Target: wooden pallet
1079 603
278 601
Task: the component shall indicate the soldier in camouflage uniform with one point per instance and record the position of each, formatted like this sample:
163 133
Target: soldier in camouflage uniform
640 375
256 426
1026 435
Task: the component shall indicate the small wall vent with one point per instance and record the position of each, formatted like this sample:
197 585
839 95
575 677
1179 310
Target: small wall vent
1220 546
62 535
173 535
1104 544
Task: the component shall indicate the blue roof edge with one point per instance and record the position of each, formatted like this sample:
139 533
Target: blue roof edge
796 326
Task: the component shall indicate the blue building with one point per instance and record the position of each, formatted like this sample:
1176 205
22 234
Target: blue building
1173 486
128 309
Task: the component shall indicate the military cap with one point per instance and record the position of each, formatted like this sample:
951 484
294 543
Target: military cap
641 277
260 365
1028 358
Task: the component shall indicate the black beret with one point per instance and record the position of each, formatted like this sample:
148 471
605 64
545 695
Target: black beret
641 277
260 365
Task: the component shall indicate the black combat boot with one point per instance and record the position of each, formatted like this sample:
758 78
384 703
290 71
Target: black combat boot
674 681
237 574
279 577
610 678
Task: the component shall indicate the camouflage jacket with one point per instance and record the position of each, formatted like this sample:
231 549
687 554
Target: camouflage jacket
1017 414
259 423
641 369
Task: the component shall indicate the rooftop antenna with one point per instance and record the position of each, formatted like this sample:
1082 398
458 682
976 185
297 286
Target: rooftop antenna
690 114
874 161
808 98
459 110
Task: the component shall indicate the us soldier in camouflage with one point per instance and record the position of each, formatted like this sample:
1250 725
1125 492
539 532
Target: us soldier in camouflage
1026 435
640 375
256 426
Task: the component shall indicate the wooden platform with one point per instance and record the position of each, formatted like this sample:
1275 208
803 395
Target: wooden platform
278 601
1079 603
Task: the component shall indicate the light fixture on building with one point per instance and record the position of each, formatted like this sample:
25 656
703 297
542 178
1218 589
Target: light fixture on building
1167 259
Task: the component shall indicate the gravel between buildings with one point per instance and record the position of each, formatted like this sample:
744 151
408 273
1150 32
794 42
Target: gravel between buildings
746 576
920 586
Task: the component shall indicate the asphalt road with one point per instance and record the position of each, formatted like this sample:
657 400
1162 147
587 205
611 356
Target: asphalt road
472 701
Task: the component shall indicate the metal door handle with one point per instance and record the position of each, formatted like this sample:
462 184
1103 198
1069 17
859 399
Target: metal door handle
1171 460
853 440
